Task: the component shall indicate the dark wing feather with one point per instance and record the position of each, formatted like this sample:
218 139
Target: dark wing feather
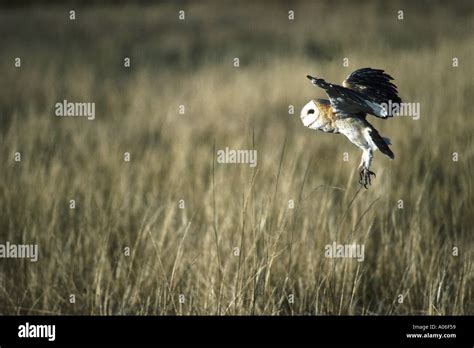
374 84
347 102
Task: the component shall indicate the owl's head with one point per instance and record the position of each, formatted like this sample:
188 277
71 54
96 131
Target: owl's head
310 115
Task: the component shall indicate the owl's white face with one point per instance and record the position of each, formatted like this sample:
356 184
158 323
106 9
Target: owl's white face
310 116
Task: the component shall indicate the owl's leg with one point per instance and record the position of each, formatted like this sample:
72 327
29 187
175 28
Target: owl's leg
364 168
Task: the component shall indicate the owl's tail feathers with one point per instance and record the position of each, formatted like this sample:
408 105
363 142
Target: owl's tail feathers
381 143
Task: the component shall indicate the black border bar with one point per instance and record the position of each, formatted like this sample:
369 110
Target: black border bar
141 330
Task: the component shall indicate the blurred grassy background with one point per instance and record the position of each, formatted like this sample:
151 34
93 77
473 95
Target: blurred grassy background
190 251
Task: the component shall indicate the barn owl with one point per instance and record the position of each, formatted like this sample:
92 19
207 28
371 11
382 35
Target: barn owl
365 91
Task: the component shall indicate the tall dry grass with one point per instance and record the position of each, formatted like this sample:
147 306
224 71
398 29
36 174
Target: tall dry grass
236 247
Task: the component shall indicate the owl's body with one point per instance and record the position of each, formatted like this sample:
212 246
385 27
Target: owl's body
345 113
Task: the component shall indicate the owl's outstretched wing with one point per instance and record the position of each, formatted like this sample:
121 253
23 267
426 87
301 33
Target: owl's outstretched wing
366 92
374 84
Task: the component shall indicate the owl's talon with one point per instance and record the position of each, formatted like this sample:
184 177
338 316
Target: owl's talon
365 177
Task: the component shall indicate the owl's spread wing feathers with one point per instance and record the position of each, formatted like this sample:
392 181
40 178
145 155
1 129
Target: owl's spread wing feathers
373 84
365 92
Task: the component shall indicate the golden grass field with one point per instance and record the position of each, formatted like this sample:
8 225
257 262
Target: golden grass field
237 248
